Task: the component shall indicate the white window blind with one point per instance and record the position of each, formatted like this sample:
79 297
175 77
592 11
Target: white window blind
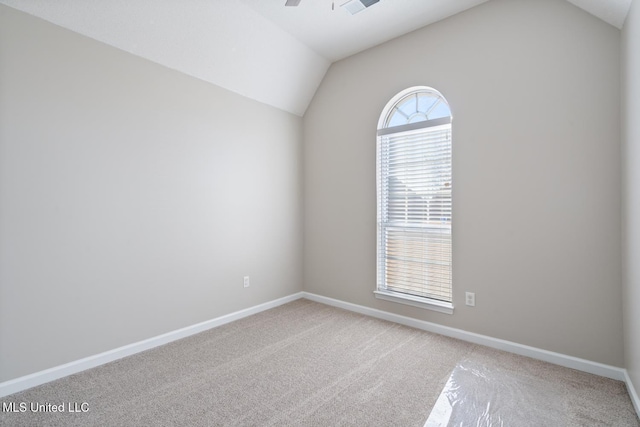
414 208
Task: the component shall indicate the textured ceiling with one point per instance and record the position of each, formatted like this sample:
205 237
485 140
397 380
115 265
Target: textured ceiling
336 34
258 48
613 12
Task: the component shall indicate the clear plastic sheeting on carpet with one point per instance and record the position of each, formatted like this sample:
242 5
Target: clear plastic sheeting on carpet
481 396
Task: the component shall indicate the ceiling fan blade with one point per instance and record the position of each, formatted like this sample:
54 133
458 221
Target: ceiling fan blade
292 2
355 6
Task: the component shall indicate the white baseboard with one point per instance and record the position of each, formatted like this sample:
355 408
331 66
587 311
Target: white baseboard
38 378
632 393
512 347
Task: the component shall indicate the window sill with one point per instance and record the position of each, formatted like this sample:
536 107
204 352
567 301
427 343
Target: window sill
427 303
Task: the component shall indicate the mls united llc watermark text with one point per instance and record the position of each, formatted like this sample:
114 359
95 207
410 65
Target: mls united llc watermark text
70 407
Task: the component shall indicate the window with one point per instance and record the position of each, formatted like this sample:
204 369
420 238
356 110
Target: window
414 200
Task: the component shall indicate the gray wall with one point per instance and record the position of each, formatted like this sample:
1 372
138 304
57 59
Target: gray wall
631 190
534 89
132 198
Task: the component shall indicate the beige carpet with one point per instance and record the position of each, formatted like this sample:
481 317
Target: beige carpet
305 364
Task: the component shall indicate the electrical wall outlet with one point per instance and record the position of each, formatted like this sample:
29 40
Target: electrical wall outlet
470 299
246 282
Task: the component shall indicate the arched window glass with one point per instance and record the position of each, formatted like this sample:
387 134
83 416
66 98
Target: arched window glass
417 106
414 182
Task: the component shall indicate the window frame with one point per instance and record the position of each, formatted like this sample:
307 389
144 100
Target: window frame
386 117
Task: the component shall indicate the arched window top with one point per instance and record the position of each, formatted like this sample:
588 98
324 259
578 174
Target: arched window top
415 105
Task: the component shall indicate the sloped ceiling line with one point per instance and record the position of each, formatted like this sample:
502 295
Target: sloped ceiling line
258 48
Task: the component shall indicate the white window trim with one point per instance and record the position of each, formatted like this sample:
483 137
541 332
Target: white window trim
380 292
415 301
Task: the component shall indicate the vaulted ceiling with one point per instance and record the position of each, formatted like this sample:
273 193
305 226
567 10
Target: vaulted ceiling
258 48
